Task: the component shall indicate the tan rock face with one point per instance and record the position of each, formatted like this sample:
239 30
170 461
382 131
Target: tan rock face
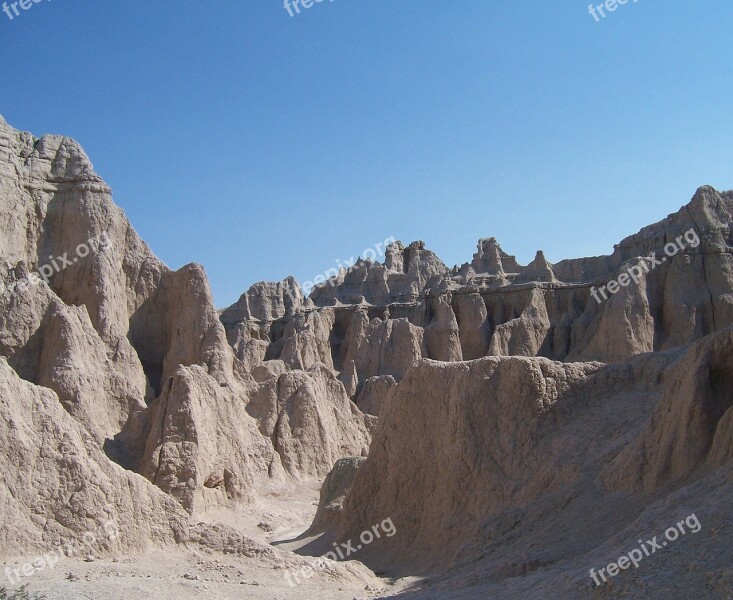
402 278
525 335
74 363
57 484
51 204
442 335
306 340
538 270
491 259
333 492
690 424
255 321
620 327
386 347
473 328
507 422
462 435
266 302
373 394
676 298
310 420
495 456
187 452
131 360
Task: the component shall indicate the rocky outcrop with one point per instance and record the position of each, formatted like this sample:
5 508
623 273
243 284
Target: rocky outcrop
373 394
538 270
442 335
663 287
306 340
310 420
690 425
490 259
333 491
249 347
402 278
266 302
255 321
525 335
509 420
208 445
385 347
618 328
127 362
59 220
501 445
190 456
479 428
56 484
473 327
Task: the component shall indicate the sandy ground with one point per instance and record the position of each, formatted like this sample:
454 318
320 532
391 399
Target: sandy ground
175 575
695 568
281 515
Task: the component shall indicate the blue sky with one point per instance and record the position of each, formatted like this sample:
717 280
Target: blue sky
262 145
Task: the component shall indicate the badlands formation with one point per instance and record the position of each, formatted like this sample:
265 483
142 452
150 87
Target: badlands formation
495 428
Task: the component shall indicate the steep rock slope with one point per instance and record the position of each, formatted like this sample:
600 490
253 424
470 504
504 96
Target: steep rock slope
509 466
59 220
666 286
135 355
126 398
57 485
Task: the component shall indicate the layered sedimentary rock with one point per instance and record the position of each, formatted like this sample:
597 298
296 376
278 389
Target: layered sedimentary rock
690 425
510 466
403 277
373 393
663 287
206 445
511 420
189 455
525 335
442 334
149 318
310 420
56 484
474 328
127 362
257 318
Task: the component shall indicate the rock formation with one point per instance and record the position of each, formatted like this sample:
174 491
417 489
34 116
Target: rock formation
518 424
494 306
128 363
57 484
511 466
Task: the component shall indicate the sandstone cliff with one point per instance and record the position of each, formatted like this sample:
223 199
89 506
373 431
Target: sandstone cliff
515 466
514 428
111 355
384 317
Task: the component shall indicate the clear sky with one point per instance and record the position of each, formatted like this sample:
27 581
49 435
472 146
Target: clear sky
262 145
